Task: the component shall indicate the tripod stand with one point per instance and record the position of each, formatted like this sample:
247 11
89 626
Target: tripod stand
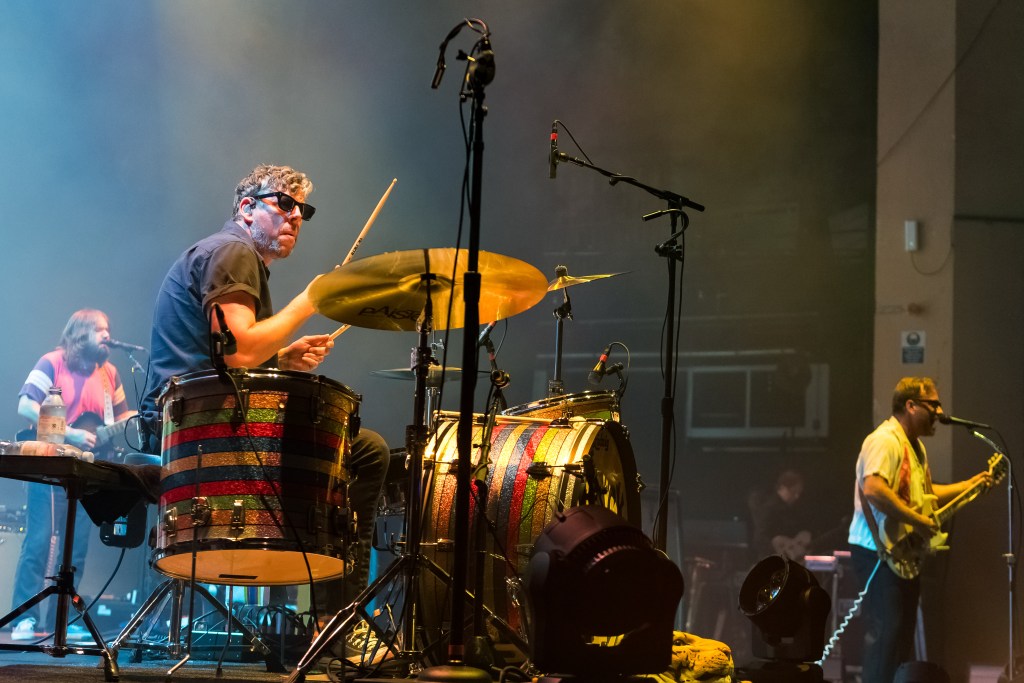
411 560
172 591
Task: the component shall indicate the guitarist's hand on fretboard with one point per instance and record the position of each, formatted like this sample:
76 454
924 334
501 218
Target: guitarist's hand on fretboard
82 438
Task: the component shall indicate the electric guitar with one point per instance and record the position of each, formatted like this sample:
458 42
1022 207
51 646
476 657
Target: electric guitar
104 448
907 549
792 547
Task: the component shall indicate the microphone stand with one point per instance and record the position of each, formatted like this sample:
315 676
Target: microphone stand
673 251
479 73
1011 559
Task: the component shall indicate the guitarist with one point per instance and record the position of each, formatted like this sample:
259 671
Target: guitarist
894 479
89 383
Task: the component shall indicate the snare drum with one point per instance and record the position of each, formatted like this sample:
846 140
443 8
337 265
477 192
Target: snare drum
535 471
589 405
256 498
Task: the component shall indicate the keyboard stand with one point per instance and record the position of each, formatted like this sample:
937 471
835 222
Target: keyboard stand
74 477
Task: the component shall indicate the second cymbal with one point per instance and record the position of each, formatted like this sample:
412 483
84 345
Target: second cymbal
563 281
389 291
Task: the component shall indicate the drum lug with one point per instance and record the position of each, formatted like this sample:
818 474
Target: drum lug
170 522
200 511
242 407
238 517
176 408
316 404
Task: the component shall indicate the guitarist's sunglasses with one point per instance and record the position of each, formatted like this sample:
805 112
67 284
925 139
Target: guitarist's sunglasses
932 404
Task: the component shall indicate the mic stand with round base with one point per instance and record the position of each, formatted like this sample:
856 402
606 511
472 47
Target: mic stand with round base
456 671
1013 673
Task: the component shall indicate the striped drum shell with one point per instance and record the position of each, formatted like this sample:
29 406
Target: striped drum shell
521 501
256 498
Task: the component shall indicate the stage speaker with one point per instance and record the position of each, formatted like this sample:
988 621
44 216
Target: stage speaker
10 548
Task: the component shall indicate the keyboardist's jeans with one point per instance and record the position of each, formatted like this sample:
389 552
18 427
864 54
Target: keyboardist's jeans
47 508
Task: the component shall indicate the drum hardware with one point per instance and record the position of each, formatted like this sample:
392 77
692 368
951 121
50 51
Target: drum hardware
237 524
201 512
170 593
170 522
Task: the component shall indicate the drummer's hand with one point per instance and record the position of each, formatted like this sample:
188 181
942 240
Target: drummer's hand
306 353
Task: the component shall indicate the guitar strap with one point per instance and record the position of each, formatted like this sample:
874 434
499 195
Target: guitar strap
108 397
869 515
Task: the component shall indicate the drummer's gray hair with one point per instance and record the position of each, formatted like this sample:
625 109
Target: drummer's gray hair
273 178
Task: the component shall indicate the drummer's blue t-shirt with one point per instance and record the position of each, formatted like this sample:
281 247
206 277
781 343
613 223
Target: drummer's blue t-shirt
220 264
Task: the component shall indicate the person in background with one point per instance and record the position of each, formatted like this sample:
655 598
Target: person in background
781 523
93 395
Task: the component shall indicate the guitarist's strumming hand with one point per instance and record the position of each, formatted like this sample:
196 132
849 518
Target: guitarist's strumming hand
925 525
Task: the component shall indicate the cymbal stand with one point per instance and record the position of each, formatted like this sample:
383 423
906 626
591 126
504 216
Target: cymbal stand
563 312
411 558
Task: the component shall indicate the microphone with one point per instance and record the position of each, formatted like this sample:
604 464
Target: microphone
601 369
553 155
115 344
950 420
230 345
485 336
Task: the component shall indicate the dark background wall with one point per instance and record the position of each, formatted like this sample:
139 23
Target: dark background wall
126 125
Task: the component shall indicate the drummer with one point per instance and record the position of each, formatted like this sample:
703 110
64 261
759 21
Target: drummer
229 269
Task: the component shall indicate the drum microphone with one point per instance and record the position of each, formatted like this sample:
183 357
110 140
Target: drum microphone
600 370
485 336
230 345
553 155
950 420
115 344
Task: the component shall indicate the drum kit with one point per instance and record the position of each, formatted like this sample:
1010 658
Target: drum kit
254 483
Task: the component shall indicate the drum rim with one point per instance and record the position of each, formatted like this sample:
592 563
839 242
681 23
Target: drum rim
562 398
262 373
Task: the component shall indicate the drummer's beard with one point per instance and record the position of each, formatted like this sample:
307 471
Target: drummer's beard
267 246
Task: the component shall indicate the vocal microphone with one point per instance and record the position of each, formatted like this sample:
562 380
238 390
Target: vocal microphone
114 344
230 345
601 369
950 420
553 155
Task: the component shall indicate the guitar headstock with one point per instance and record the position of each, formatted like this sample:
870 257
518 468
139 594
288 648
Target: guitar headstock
997 467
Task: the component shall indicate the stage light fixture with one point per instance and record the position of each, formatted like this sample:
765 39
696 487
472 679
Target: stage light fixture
602 599
788 610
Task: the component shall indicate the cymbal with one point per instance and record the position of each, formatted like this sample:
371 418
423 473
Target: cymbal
388 291
433 374
564 281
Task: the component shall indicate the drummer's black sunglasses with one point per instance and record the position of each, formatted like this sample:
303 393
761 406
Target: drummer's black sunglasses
288 203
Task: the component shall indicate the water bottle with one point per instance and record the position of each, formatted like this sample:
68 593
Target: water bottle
52 418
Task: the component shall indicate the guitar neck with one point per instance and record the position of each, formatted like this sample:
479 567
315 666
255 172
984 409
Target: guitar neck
951 508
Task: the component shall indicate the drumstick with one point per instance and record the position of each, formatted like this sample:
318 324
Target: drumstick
359 240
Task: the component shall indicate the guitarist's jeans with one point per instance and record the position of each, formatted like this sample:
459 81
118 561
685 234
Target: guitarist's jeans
46 512
889 615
